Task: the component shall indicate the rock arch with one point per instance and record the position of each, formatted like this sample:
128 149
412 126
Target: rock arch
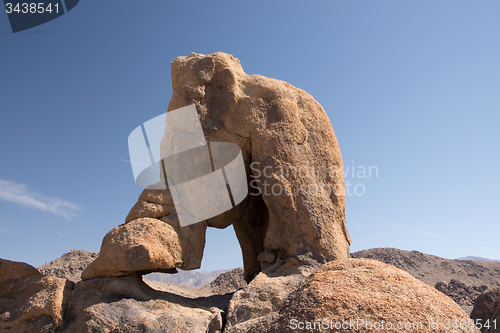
287 143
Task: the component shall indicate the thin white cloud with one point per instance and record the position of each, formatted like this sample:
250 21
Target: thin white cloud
20 194
488 248
413 230
121 159
398 226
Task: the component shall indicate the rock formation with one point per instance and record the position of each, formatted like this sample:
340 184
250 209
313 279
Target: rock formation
29 301
228 281
291 229
147 245
351 292
487 311
296 204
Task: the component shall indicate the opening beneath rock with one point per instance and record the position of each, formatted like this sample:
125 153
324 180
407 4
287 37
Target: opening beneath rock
222 253
222 250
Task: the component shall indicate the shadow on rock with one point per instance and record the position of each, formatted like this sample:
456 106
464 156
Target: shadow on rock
128 304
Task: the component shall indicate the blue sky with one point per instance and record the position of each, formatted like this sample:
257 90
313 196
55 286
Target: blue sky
411 87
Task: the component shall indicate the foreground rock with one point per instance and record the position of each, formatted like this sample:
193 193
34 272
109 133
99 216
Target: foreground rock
127 304
296 208
15 270
29 301
261 299
279 299
341 292
487 311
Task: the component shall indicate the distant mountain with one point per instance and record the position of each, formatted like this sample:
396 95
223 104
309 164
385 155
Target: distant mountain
477 258
226 283
71 265
187 278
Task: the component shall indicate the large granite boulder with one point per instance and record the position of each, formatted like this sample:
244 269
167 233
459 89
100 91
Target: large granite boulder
353 295
29 301
296 205
148 245
486 311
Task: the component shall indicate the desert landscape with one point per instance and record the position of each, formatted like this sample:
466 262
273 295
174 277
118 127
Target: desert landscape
464 281
298 272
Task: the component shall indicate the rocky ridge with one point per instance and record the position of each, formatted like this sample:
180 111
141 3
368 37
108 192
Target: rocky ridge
187 278
462 280
70 265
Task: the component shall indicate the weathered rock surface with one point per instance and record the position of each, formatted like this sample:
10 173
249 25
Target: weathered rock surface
338 292
29 301
15 270
296 207
127 304
148 245
487 311
261 299
152 203
70 265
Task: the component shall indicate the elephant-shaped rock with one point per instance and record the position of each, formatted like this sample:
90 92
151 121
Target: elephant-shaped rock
295 208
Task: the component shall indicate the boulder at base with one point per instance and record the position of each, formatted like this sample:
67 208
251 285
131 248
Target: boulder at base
148 245
341 292
29 301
